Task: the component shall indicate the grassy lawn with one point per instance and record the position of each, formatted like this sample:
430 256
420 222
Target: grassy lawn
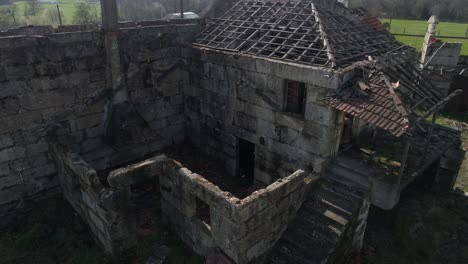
67 8
459 121
419 27
53 233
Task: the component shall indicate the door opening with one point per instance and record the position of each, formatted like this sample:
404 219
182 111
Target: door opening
347 133
246 160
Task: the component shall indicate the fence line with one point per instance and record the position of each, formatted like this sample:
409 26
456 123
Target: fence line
416 35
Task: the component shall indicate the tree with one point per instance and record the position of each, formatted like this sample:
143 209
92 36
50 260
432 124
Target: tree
141 10
32 8
11 12
84 14
52 16
8 16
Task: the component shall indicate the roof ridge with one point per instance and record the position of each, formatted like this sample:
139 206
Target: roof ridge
323 34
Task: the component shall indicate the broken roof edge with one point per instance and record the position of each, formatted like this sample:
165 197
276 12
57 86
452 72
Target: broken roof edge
337 70
317 75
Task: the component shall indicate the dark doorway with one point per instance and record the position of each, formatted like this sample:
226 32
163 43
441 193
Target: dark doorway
246 160
347 133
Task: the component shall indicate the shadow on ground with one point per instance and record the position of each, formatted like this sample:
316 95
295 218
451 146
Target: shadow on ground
423 228
53 233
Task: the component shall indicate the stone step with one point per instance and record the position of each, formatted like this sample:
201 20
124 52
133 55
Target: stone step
347 177
350 193
358 165
319 226
294 255
316 222
330 197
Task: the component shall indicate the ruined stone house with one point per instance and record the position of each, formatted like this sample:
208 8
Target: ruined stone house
265 134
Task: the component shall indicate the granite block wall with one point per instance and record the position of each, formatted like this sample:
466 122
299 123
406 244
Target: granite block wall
48 83
243 97
439 57
53 85
243 229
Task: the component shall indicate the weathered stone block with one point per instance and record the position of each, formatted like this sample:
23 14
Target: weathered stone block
19 72
8 181
12 153
28 162
4 169
38 172
319 114
37 148
290 121
46 100
9 105
21 121
89 121
148 169
5 141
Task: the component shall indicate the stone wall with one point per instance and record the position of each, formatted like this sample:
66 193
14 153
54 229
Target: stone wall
243 229
54 85
105 204
447 56
243 97
156 61
46 83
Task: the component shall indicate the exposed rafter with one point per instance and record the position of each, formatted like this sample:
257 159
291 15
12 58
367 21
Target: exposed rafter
301 31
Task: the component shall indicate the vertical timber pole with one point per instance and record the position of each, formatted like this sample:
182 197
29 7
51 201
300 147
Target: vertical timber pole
110 24
118 99
182 9
59 15
404 159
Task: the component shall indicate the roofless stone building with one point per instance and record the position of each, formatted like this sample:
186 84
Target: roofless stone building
265 134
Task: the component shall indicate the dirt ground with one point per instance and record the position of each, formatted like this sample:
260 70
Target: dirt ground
423 228
53 233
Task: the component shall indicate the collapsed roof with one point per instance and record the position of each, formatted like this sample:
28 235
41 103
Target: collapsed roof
392 95
298 31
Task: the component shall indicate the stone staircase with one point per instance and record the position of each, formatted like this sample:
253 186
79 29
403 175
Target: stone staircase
353 170
326 228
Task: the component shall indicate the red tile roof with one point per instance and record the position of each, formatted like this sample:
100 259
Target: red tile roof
375 102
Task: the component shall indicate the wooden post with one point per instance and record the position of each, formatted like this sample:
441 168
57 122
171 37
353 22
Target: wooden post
404 159
181 8
110 24
110 19
59 15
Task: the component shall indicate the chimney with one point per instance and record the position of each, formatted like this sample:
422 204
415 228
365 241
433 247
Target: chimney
344 2
429 38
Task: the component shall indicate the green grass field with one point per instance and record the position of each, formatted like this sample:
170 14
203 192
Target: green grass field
67 8
418 27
